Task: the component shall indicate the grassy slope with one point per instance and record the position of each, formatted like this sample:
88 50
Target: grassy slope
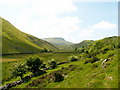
94 75
90 75
15 41
60 43
85 75
83 43
10 60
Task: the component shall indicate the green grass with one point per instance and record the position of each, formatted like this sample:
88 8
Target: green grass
7 64
15 41
89 77
84 76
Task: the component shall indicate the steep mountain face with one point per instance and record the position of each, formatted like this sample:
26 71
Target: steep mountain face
57 41
15 41
82 44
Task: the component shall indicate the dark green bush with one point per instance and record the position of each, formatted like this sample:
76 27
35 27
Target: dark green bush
91 60
57 77
19 70
73 58
94 66
52 64
43 66
44 50
33 64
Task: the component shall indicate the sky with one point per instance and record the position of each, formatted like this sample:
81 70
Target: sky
72 20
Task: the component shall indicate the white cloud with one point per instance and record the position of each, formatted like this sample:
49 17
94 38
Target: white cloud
40 17
42 7
54 26
86 32
13 2
52 7
104 25
101 26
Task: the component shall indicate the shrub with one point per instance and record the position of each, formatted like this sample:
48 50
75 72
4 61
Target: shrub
91 60
85 55
46 50
33 64
80 50
104 50
52 64
73 58
94 59
19 70
94 66
43 66
88 60
57 77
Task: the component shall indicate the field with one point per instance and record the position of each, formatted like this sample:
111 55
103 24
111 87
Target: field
90 75
9 60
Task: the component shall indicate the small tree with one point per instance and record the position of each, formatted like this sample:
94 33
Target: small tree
19 70
33 64
57 77
52 64
43 66
73 58
44 50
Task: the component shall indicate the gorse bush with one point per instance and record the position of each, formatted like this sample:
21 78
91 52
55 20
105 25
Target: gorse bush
73 58
33 64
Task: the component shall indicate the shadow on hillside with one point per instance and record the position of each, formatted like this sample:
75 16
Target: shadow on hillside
38 73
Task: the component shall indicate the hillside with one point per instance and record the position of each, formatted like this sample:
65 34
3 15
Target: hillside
82 44
96 67
15 41
57 41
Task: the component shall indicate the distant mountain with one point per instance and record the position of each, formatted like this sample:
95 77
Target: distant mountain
57 41
82 44
15 41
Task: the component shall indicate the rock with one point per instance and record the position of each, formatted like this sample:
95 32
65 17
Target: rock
110 78
62 62
104 62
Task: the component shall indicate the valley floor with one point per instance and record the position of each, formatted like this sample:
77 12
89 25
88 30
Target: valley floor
90 75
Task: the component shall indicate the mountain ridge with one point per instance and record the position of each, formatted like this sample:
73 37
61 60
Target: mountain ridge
57 41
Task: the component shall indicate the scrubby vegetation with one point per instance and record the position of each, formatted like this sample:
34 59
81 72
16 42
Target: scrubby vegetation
73 58
19 70
95 66
53 64
33 64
